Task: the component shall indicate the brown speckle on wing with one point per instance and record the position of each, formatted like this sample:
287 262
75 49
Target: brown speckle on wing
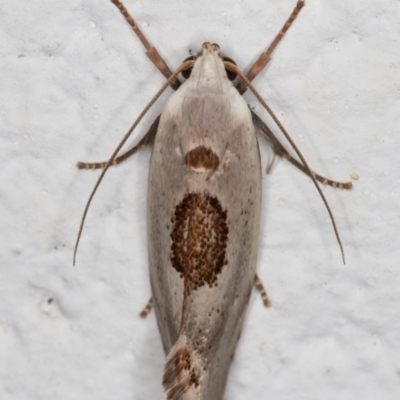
199 240
179 374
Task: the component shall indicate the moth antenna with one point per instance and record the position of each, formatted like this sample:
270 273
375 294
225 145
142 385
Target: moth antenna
234 68
186 64
281 152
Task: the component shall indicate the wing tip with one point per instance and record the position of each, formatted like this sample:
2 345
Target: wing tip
180 379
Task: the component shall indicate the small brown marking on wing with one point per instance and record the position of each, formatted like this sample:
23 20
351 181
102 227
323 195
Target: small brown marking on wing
183 362
179 375
199 240
201 159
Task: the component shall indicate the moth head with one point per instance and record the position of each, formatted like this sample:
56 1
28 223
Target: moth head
209 48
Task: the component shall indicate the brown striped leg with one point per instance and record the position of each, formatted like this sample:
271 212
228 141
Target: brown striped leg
146 310
151 51
147 140
260 287
265 57
280 151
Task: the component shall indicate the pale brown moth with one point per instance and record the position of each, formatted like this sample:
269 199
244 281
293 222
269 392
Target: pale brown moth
203 215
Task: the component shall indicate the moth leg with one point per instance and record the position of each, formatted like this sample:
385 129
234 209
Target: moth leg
146 310
260 287
265 57
281 152
271 164
147 140
151 51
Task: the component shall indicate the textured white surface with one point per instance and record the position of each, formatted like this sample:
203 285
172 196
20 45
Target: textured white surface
73 78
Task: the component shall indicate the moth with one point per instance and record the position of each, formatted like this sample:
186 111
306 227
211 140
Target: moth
203 215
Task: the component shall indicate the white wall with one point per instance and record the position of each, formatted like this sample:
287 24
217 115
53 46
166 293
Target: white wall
73 78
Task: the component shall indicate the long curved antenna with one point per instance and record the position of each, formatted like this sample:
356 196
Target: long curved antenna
185 65
234 68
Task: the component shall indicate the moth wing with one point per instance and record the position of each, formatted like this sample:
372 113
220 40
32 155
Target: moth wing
204 205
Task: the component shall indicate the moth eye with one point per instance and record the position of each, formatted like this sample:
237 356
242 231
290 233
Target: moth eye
186 72
231 75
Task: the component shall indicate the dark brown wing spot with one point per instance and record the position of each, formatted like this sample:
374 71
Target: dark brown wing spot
199 240
201 159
